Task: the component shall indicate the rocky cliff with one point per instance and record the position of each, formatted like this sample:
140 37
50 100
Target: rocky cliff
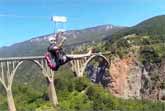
132 79
126 74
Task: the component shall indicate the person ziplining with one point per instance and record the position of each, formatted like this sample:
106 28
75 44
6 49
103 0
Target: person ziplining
55 55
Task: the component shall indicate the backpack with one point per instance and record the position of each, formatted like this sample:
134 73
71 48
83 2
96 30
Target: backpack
51 63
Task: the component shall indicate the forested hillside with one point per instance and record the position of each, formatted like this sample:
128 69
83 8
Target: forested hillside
154 27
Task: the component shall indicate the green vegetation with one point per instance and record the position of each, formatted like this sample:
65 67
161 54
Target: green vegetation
149 55
75 94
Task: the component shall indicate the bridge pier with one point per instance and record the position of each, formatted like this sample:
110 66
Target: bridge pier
52 93
8 67
49 75
51 88
10 100
79 65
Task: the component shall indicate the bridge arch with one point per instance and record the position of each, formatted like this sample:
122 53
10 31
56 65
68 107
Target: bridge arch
48 73
33 61
23 61
93 57
99 73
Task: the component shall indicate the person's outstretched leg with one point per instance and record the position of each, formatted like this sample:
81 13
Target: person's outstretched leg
67 58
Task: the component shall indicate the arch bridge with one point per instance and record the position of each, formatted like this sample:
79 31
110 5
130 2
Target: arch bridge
9 66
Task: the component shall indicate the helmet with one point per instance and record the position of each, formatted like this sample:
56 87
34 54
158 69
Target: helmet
52 40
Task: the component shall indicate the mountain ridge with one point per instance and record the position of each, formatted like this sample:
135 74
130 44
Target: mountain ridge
39 44
152 26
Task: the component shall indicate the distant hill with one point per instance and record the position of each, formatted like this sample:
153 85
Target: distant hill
38 45
153 27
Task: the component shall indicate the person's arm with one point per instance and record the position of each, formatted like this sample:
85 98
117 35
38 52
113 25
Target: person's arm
60 45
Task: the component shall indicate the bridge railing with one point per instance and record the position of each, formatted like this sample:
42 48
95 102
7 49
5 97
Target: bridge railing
42 57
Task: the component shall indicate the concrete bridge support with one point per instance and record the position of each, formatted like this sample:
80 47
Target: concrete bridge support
49 75
8 68
79 65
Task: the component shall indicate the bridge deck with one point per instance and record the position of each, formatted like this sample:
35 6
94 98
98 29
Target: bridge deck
41 57
21 58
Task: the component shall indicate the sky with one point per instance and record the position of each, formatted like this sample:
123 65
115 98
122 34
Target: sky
22 20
